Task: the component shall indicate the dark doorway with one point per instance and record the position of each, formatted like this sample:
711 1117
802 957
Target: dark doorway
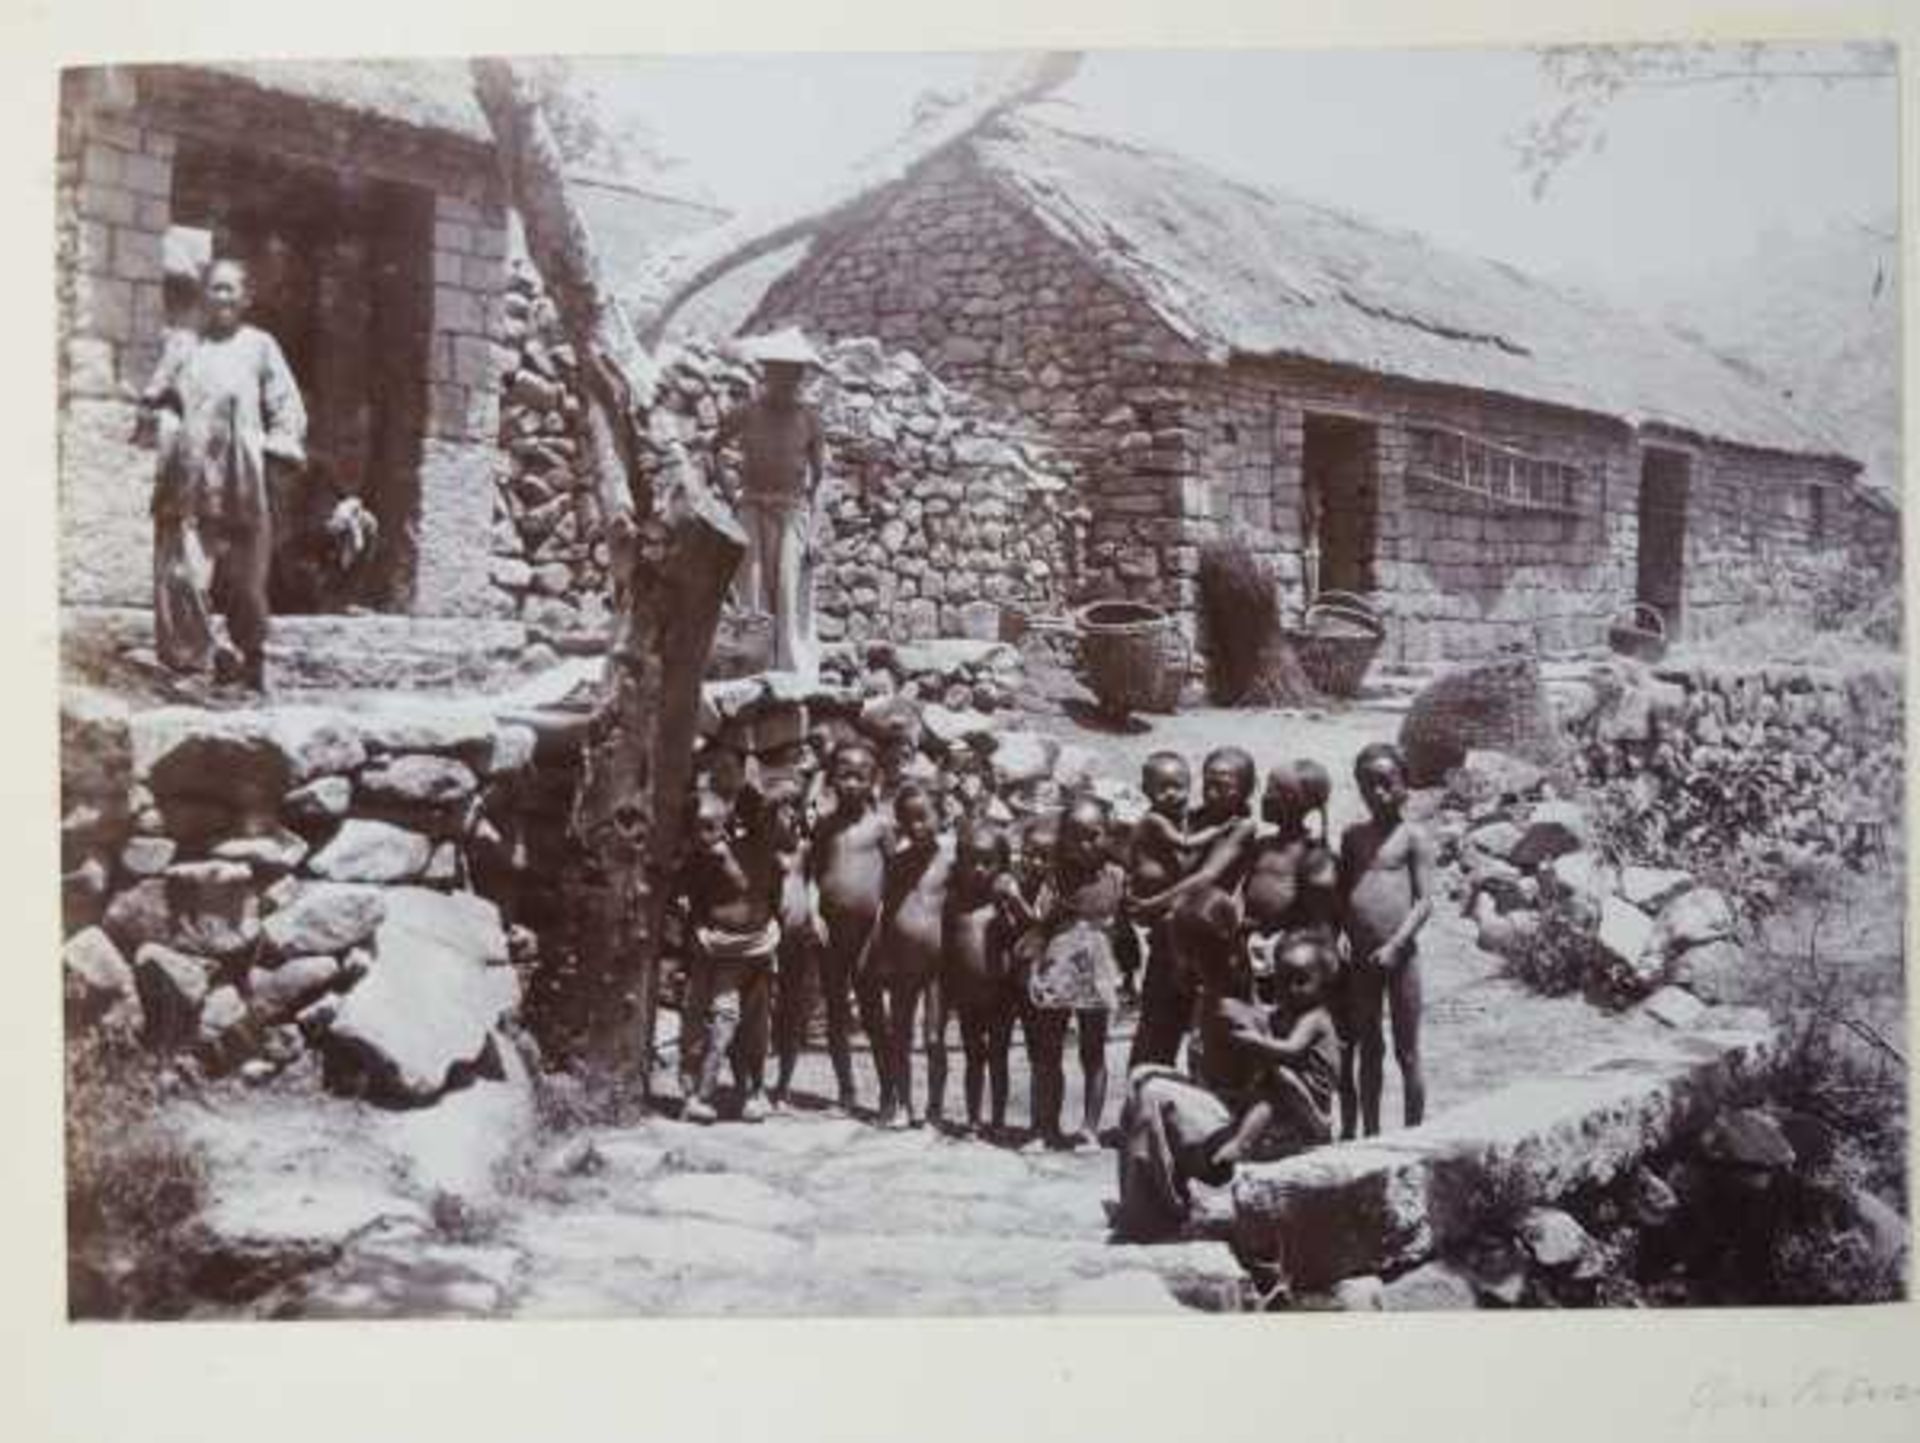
1663 534
340 267
1340 491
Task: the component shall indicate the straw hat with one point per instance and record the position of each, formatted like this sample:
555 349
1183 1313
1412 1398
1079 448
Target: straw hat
784 347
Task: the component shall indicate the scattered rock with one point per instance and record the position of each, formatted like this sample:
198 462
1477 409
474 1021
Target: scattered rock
1885 1230
1552 1238
1676 1007
1495 776
513 749
141 914
1022 758
1747 1139
1553 830
1429 1287
1693 919
1650 1202
1624 934
1497 1269
1496 839
317 742
324 917
1651 888
447 730
215 909
365 850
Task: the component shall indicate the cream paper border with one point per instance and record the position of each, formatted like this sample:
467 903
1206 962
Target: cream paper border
1622 1377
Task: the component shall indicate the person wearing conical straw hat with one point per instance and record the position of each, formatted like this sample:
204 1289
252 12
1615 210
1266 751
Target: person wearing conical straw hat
783 456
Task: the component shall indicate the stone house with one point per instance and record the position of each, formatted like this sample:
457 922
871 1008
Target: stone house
366 199
1487 457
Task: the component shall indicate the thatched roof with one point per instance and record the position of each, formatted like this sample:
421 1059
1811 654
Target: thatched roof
426 94
1243 271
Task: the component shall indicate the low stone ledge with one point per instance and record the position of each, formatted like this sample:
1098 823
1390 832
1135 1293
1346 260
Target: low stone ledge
1389 1202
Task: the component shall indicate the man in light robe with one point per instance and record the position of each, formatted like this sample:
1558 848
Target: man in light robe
232 434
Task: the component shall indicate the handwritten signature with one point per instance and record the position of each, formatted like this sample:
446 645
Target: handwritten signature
1719 1393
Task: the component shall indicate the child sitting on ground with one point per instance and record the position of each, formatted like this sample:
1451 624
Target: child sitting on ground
1387 866
1291 1051
730 882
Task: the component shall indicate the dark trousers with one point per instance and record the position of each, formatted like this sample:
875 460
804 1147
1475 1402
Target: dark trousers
1166 1004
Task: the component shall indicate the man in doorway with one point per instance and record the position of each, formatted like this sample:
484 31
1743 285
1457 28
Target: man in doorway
780 442
233 434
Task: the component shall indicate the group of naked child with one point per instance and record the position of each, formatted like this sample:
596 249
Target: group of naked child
919 898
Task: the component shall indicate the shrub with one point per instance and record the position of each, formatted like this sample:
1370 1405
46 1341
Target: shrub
134 1182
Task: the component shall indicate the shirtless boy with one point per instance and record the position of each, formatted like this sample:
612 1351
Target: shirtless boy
1291 879
904 962
977 978
730 881
1227 778
1387 868
848 865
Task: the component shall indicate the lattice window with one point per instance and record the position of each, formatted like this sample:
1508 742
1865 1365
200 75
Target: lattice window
1499 476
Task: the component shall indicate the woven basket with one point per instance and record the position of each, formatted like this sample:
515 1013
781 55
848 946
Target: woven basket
1337 641
1641 633
1135 656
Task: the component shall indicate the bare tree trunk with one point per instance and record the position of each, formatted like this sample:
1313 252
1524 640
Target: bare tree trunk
674 549
674 544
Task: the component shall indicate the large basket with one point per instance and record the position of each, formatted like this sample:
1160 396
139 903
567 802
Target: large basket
1135 656
1640 632
1337 641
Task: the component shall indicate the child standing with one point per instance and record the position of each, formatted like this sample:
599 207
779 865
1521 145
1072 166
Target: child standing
801 940
1386 873
848 864
730 882
904 962
977 979
1071 973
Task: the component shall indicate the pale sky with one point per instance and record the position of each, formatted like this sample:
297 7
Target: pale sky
1691 177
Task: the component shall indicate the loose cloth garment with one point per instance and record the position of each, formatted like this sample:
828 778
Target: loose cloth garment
234 403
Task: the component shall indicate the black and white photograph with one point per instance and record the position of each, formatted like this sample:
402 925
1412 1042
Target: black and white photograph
1049 682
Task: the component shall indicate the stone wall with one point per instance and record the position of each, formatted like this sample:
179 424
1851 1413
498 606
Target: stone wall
237 885
119 137
936 511
999 307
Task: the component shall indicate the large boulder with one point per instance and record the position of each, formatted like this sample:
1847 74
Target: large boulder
1693 919
320 803
226 762
1021 758
215 907
1491 776
1553 830
421 1019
